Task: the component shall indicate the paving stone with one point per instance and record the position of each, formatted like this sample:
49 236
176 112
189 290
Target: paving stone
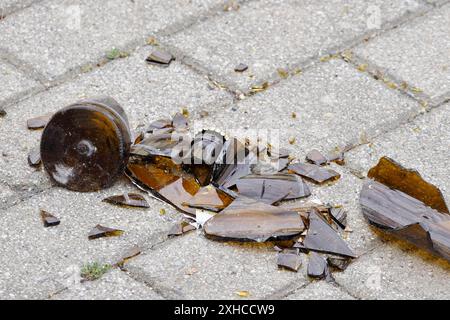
320 290
38 262
193 267
58 36
13 82
422 145
146 93
335 105
397 271
417 53
266 35
114 285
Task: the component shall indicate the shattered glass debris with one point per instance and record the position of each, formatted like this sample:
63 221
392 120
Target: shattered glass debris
128 255
38 122
318 267
180 229
402 203
210 198
241 67
85 146
49 220
160 58
249 220
128 200
315 157
289 260
34 158
314 173
103 232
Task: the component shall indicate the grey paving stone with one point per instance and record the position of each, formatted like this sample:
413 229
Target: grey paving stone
335 105
58 36
417 53
146 92
13 82
38 262
193 267
114 285
320 290
422 145
397 271
267 35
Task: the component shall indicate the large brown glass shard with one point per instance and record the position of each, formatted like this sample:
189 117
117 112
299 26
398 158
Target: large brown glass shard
318 267
249 220
160 58
323 238
394 176
85 147
180 192
38 122
34 158
211 199
314 173
49 220
128 200
289 260
103 232
180 229
315 157
273 188
406 217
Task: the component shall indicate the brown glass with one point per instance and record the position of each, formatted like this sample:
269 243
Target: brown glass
85 146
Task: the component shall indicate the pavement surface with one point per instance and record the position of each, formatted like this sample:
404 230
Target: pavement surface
373 77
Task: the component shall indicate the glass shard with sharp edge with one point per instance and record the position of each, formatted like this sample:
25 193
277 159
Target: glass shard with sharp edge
210 198
339 263
179 121
339 215
38 122
34 157
318 267
241 67
406 218
85 147
160 58
315 157
128 255
272 188
323 238
103 232
289 260
314 173
128 200
180 229
49 220
249 220
394 176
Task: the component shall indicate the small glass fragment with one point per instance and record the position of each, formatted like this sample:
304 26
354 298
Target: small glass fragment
249 220
290 261
34 157
103 232
283 73
393 175
180 229
339 263
318 267
128 200
49 220
323 238
292 140
211 199
38 122
241 67
179 121
272 188
260 87
243 294
314 173
128 255
2 111
315 157
337 157
339 215
160 58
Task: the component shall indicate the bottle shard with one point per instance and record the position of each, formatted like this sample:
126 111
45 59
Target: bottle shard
317 158
211 199
103 232
289 260
314 173
128 200
318 267
180 229
49 220
34 158
321 237
406 218
38 122
394 176
249 220
160 58
272 188
241 67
